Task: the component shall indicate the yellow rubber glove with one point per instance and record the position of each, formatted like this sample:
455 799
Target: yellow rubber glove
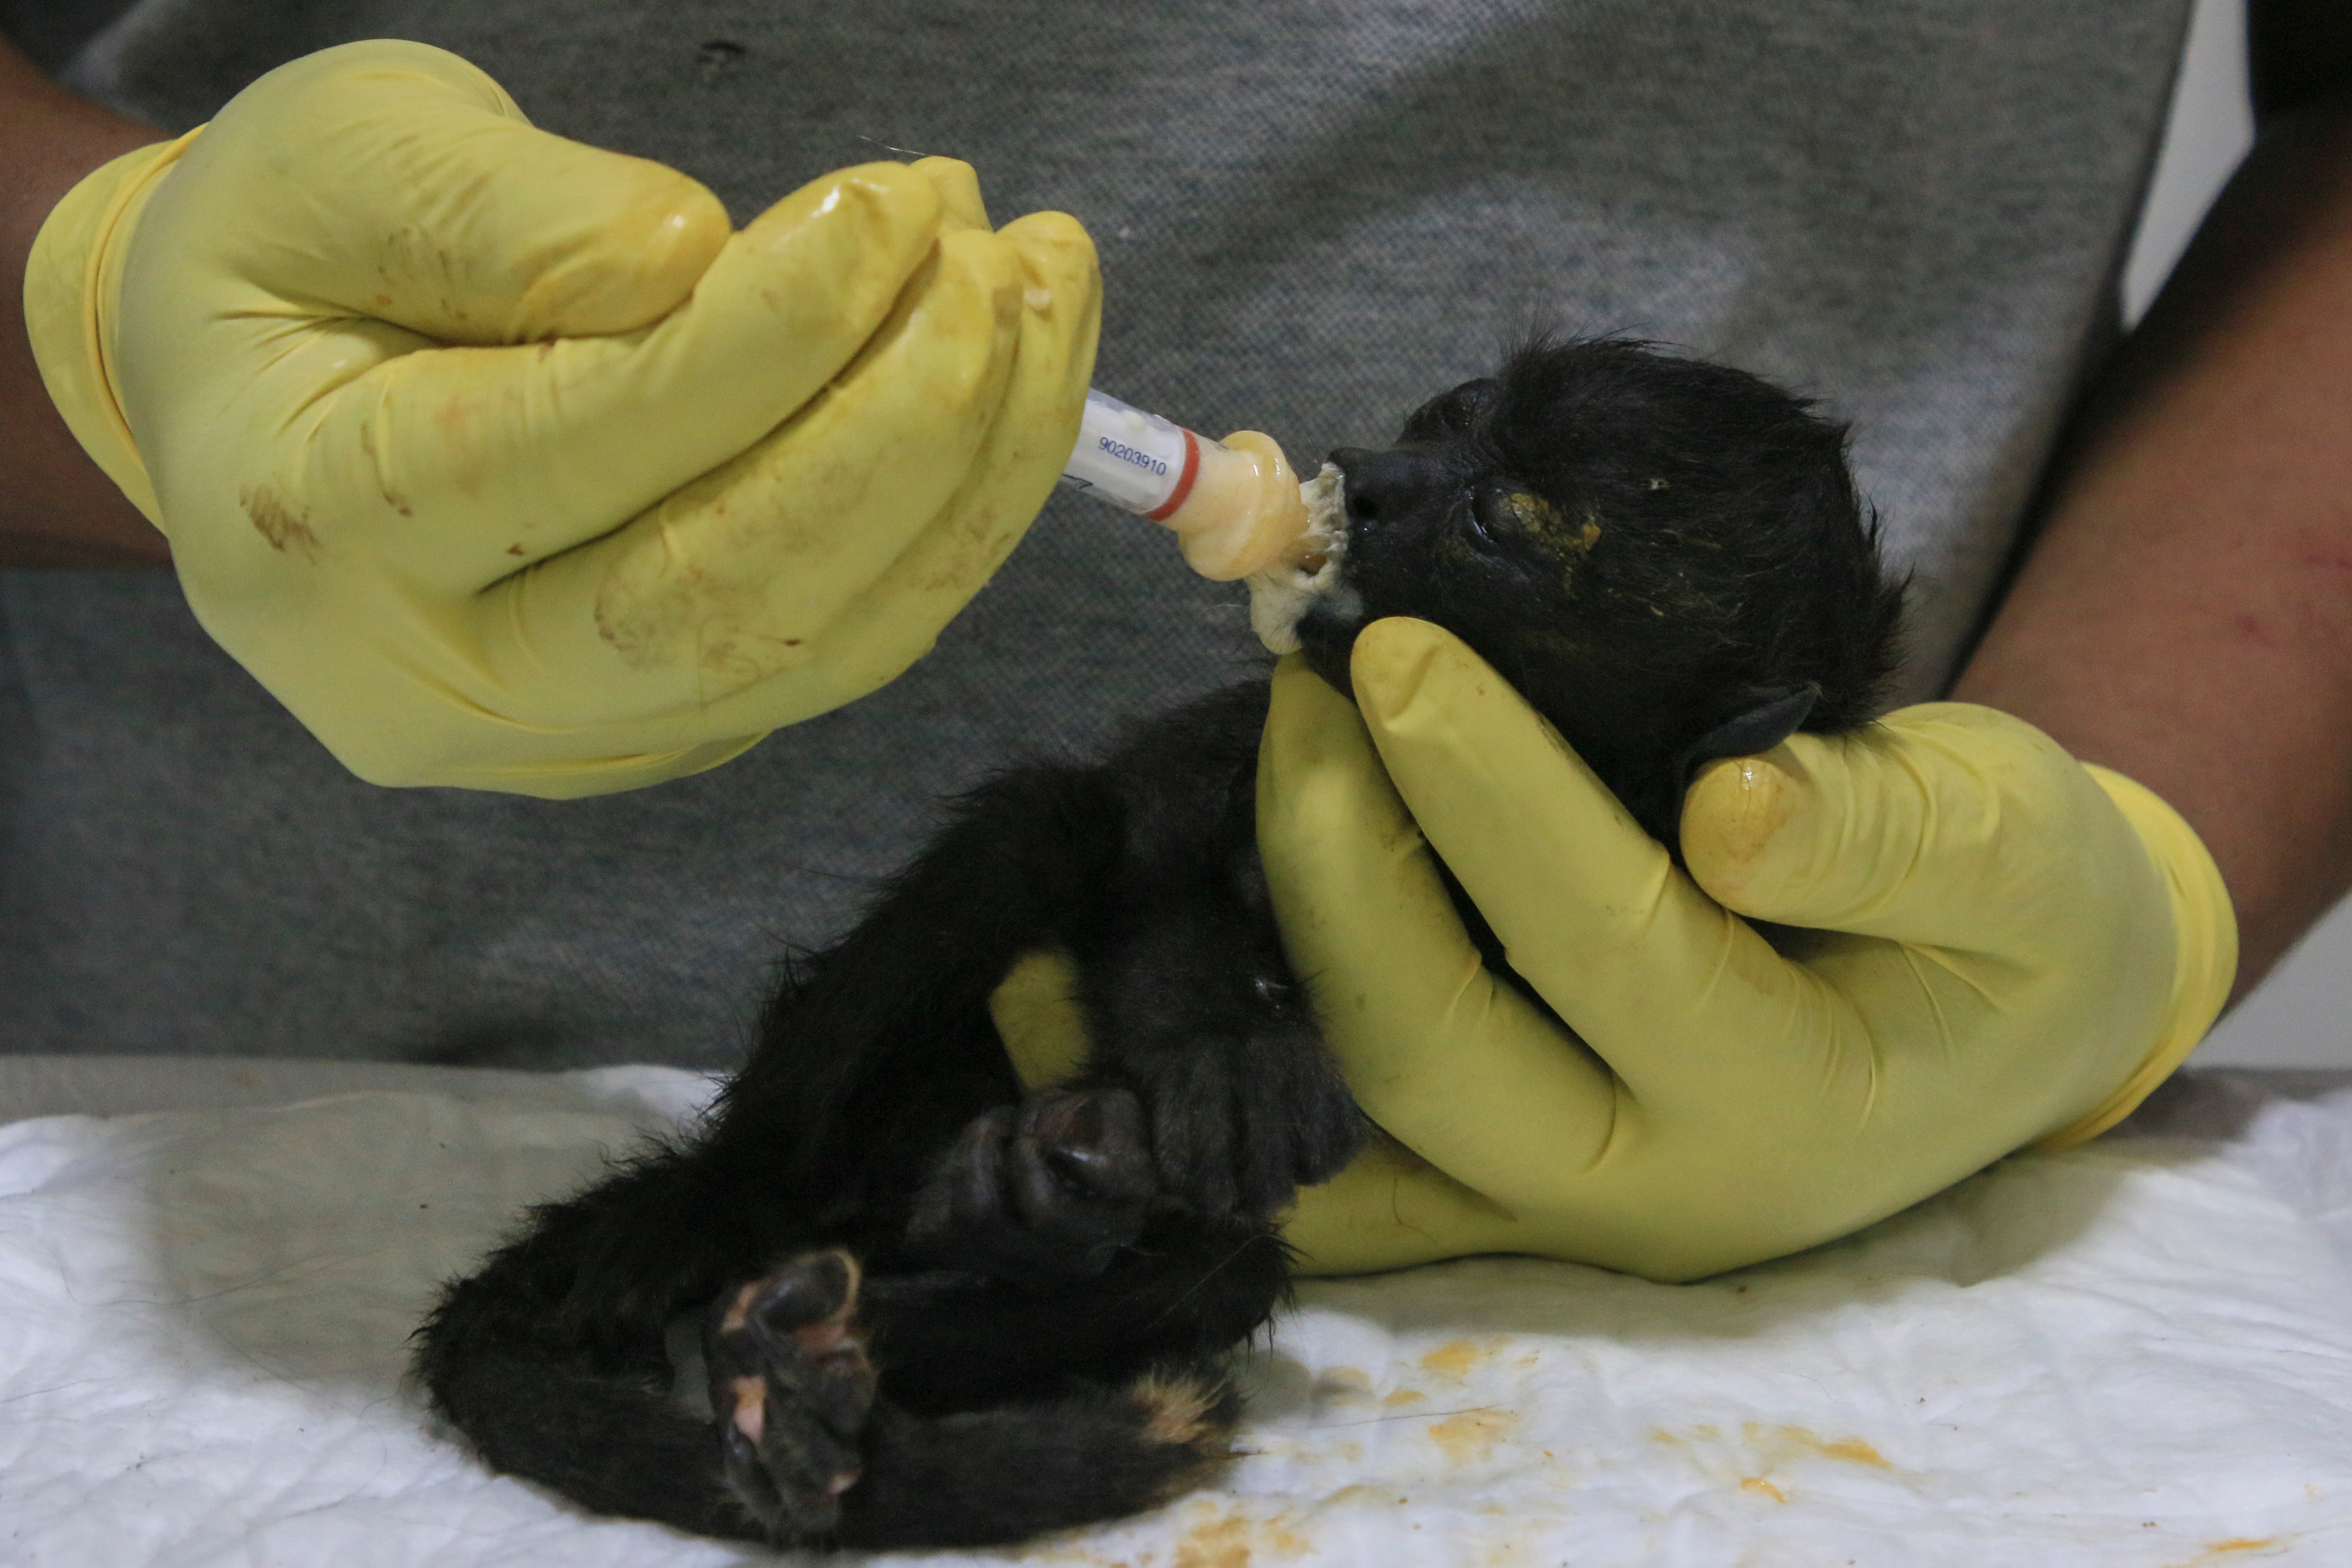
503 463
2002 947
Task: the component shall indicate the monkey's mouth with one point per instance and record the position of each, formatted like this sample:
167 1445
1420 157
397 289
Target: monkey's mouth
1285 593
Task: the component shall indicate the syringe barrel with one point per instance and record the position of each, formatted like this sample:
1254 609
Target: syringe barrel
1233 504
1137 462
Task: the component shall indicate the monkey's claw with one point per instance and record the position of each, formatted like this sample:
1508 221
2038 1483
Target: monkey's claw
1051 1188
791 1386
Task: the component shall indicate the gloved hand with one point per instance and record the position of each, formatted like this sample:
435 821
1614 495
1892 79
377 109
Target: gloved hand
503 463
2003 946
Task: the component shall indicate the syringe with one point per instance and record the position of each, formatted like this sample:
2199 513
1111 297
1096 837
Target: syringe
1235 504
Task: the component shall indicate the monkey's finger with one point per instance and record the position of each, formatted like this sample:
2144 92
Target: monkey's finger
1451 1062
1094 1143
966 1189
1686 1002
1038 1196
1045 1158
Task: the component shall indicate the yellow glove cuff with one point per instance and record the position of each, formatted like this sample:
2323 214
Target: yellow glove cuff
2205 929
72 282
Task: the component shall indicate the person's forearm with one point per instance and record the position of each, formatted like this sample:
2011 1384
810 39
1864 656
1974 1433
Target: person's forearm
57 507
2186 617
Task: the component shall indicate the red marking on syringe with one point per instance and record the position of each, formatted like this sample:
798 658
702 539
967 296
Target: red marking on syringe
1167 509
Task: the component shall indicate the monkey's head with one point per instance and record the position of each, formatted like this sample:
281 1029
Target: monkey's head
1665 557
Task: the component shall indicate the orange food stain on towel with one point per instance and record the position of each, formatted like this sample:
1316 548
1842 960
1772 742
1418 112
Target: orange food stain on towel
2216 1551
1854 1451
1469 1437
1454 1358
1234 1541
1751 1461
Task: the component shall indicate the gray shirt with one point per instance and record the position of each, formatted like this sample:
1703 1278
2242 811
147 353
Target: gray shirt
1311 216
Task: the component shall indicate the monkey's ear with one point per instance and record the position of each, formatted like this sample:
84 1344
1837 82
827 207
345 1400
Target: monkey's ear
1773 714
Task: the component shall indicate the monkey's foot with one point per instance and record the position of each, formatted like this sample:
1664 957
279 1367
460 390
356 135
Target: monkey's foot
1047 1190
791 1386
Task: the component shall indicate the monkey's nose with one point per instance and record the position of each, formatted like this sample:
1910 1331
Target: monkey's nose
1384 485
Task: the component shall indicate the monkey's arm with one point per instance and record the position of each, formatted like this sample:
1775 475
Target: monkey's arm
2186 616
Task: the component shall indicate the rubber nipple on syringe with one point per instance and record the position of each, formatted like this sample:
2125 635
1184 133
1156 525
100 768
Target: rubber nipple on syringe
1234 505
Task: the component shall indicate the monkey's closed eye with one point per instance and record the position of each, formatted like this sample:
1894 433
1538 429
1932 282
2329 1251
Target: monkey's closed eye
1501 513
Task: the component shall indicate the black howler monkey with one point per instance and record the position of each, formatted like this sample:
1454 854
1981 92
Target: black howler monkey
944 1311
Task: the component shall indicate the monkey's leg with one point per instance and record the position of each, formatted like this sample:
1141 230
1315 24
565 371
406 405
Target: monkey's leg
839 1096
869 1062
809 1451
550 1357
607 1269
867 1067
610 1440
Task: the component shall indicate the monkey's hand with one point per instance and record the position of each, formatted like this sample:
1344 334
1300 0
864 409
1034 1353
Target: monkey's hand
503 463
1242 1104
1039 1193
1240 1122
1979 943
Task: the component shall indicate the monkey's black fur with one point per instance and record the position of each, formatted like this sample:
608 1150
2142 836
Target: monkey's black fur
944 1313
